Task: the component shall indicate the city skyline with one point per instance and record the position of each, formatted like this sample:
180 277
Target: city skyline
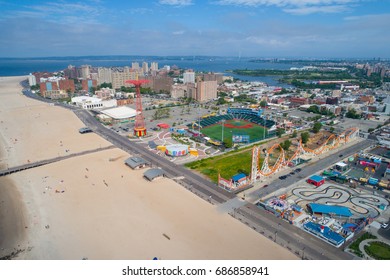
247 28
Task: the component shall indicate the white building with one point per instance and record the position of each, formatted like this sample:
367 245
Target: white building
135 65
189 77
104 75
154 66
85 71
87 102
118 115
32 81
178 90
145 67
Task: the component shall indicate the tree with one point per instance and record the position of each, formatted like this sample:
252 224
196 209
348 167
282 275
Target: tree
161 113
106 85
352 114
286 145
317 127
279 132
228 143
221 101
263 103
305 137
331 129
294 134
222 94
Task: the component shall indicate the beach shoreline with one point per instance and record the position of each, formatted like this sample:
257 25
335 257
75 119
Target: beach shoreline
12 219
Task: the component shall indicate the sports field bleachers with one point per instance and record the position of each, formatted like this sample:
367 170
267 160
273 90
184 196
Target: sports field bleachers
251 118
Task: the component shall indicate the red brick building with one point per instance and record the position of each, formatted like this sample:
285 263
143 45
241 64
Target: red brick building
367 98
48 86
299 101
67 85
123 102
88 84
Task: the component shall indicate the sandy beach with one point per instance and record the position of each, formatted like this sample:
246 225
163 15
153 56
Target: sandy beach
94 206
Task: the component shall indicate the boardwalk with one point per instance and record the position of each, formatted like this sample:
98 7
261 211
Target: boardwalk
15 169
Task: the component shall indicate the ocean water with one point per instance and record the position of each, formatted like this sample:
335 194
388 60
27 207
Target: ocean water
24 66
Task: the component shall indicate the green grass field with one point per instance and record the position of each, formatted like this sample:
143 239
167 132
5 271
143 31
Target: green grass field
227 165
215 131
378 250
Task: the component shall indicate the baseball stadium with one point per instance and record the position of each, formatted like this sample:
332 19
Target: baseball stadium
240 125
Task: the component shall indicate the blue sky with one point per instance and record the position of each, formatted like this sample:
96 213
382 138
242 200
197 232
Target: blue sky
261 28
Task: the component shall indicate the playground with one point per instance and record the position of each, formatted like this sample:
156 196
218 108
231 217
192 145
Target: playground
235 127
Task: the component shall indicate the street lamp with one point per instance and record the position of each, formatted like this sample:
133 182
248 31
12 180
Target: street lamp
223 122
276 233
303 253
199 121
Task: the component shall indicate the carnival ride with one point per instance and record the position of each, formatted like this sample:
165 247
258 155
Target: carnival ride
267 168
139 126
332 142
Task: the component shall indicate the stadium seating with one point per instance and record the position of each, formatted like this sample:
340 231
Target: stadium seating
250 115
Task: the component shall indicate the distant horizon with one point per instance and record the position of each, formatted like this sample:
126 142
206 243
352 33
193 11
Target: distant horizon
319 58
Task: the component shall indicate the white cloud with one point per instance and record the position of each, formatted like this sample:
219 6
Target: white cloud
317 9
384 17
179 32
298 7
284 3
179 3
140 11
270 42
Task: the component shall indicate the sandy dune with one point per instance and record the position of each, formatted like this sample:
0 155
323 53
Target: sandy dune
95 207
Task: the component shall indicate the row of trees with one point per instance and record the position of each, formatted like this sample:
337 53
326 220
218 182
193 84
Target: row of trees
161 113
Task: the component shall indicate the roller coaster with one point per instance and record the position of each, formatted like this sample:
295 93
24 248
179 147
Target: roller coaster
267 169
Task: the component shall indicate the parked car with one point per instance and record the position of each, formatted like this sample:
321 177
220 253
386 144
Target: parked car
265 186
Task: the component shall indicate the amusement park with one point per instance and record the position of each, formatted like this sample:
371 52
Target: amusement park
240 150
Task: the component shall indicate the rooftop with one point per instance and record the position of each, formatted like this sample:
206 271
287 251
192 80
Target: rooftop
120 112
330 209
341 164
325 232
85 99
134 162
238 177
316 178
153 173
